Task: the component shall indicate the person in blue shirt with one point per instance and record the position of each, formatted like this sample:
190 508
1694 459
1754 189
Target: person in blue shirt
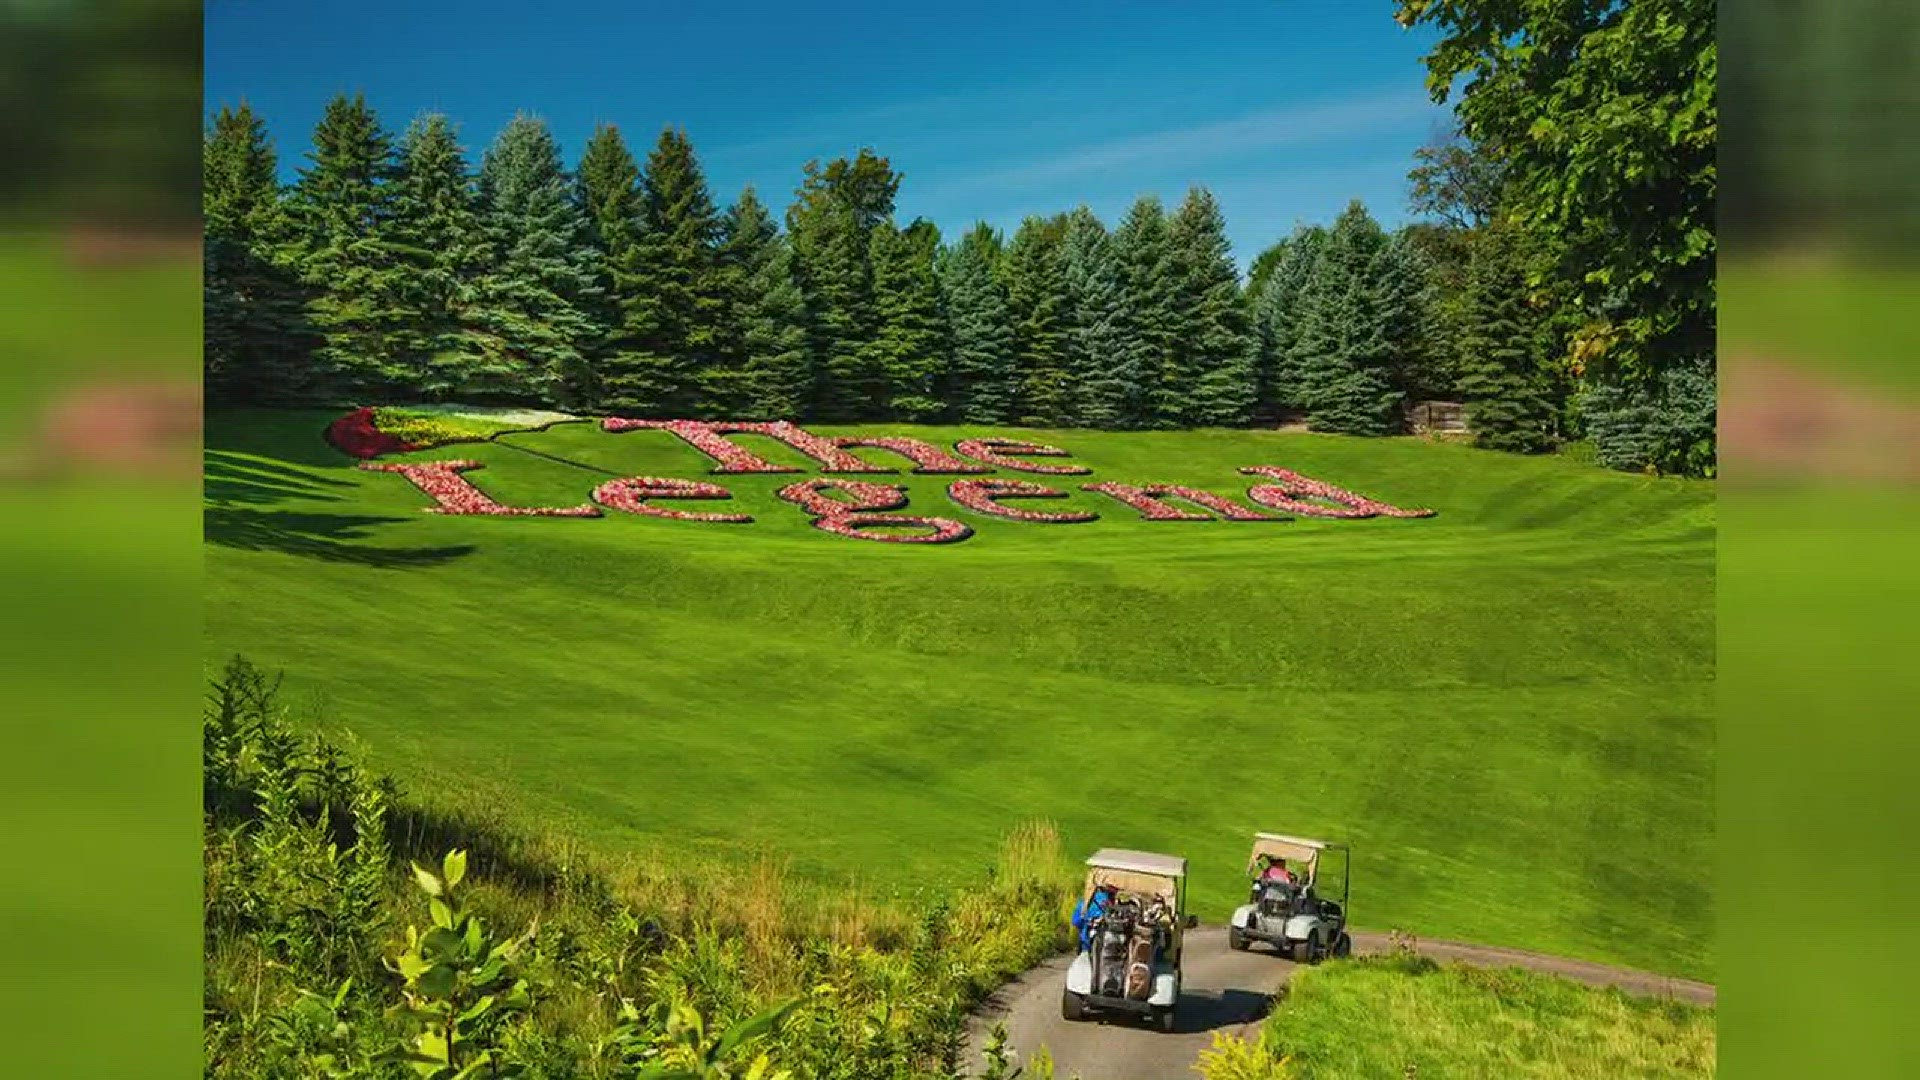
1089 910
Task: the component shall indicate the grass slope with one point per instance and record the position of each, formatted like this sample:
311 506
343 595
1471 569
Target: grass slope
1396 1017
1506 708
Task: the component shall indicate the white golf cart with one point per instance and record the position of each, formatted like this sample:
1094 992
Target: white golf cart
1287 910
1132 961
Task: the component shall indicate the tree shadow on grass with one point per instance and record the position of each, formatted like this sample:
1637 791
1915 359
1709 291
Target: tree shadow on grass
332 537
240 487
231 478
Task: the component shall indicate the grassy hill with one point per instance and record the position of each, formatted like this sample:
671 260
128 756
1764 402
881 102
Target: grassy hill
1507 708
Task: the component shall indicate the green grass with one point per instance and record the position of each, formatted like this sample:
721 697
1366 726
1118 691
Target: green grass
1506 708
1391 1017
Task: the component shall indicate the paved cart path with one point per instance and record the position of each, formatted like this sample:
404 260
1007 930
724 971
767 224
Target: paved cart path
1224 990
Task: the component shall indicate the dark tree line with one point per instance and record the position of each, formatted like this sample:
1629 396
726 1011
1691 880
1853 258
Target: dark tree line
394 269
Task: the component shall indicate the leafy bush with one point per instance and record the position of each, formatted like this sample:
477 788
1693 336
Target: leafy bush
319 961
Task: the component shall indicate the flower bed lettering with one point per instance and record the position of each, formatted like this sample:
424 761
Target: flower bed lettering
710 438
632 494
981 495
1000 452
1149 500
1293 491
451 494
859 512
926 457
863 510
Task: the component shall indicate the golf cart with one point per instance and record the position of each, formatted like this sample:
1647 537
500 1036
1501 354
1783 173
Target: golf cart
1132 962
1291 915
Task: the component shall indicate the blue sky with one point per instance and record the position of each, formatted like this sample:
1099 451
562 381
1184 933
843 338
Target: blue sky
1286 109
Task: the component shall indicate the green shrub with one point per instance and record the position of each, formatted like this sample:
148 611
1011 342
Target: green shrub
317 962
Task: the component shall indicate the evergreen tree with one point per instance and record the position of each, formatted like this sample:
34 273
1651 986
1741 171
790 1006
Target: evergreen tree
1343 353
1406 313
983 379
343 210
747 238
829 224
437 230
533 303
256 347
1148 285
1278 318
1033 274
1509 399
672 296
773 336
1214 344
1098 336
909 343
607 188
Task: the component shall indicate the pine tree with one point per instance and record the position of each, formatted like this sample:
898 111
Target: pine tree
773 338
533 303
909 343
607 189
1147 281
983 379
734 385
1509 395
673 301
1214 344
1343 352
1098 336
1406 311
1278 317
256 345
343 210
1033 274
835 210
437 230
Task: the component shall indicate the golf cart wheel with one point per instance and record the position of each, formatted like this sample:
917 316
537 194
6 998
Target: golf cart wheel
1312 950
1163 1019
1072 1006
1236 939
1342 946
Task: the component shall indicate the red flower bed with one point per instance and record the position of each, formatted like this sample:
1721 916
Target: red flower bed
998 451
632 494
1293 491
926 457
710 438
1146 498
452 495
356 435
980 496
945 530
812 496
856 514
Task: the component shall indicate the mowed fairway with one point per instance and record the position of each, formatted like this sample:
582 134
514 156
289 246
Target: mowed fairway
1506 708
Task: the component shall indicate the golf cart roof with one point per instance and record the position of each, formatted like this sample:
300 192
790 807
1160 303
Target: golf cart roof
1138 862
1297 848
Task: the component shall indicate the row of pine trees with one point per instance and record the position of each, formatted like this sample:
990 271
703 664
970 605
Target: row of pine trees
392 270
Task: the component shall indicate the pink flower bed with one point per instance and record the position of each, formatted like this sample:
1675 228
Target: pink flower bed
980 496
857 513
999 452
1147 498
710 438
632 494
356 435
926 457
441 481
811 495
1293 491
